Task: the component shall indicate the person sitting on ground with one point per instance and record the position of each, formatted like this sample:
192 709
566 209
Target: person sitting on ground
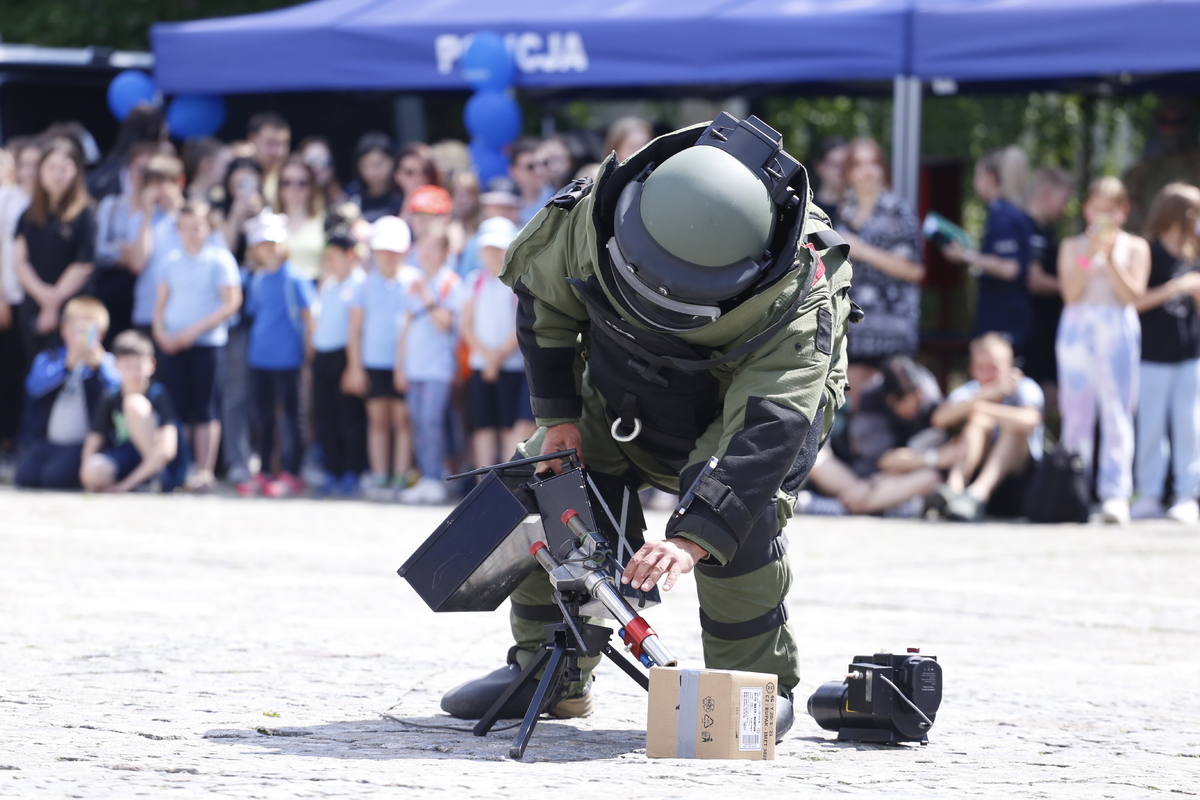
887 462
999 413
133 434
63 390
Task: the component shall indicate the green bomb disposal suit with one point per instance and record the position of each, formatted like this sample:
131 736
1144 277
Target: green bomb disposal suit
772 373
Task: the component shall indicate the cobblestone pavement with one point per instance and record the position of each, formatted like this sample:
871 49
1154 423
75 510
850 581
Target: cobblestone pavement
182 646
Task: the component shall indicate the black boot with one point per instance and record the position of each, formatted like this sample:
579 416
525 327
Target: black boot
784 717
472 699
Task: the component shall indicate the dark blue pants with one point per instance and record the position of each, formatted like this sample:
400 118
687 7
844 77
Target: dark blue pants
279 389
42 465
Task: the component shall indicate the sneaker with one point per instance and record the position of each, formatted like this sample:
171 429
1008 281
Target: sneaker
1185 511
284 485
253 486
1115 510
375 487
966 507
937 502
348 485
427 491
1146 508
328 484
819 505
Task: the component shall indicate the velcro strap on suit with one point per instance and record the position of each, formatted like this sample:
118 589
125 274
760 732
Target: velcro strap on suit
737 631
748 559
722 499
536 613
829 239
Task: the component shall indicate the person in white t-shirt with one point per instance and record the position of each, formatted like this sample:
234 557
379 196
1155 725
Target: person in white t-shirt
498 390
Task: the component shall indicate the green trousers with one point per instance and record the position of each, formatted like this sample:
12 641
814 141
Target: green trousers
727 603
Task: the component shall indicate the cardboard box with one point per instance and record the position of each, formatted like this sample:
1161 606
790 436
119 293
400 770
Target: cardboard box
711 713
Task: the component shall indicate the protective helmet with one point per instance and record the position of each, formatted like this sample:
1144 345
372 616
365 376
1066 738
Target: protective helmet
696 230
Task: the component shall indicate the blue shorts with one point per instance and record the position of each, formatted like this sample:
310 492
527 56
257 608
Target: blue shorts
125 459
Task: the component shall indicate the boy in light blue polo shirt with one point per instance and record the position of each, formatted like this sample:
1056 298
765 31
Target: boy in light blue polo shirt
371 356
339 417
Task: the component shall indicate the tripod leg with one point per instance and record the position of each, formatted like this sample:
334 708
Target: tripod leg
629 669
541 698
489 719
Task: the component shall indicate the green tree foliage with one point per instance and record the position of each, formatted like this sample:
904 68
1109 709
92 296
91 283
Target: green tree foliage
119 24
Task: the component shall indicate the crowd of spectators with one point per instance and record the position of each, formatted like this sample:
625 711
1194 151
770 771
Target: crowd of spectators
1101 328
234 312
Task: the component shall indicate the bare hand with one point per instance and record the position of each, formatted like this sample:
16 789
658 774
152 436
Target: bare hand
954 251
491 372
559 438
1187 283
94 356
400 381
6 315
47 319
669 558
167 343
354 382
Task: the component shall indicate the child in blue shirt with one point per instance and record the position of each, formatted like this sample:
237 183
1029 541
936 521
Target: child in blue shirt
340 418
281 298
371 356
199 289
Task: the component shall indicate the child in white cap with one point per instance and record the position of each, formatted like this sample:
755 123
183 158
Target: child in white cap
375 317
497 390
280 299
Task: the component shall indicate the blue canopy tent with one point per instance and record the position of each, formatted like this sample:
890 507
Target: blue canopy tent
415 44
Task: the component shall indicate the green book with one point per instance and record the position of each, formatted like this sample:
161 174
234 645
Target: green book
942 231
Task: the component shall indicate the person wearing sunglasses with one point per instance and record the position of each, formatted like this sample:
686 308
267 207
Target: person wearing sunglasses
304 207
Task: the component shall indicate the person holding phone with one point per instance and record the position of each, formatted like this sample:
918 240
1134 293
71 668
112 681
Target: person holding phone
1102 273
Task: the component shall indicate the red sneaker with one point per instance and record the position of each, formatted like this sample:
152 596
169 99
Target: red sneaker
285 484
254 486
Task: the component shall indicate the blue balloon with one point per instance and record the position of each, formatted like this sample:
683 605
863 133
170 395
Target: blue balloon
128 90
486 64
493 118
193 116
488 161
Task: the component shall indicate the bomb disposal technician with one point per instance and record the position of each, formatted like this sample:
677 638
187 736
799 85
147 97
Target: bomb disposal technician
683 322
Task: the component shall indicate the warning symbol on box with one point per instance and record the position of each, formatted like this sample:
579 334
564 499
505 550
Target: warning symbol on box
708 721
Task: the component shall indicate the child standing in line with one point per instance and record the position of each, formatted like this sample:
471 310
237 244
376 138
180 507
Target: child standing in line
498 390
281 298
199 289
340 418
426 363
371 357
1170 369
1102 273
133 434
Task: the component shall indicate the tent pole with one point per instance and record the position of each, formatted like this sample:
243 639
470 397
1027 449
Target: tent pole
906 137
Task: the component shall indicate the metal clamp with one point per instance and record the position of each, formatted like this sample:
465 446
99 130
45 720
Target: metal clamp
637 429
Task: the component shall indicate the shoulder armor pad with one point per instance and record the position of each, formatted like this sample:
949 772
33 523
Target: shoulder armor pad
569 196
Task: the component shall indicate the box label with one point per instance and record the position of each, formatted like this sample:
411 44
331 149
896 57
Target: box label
751 719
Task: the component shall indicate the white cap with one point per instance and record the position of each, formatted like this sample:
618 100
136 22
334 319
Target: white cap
391 234
266 227
496 232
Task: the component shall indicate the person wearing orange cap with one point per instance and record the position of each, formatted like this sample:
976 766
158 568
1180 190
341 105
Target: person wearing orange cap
428 208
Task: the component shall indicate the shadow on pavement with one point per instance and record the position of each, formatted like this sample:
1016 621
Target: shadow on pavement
381 739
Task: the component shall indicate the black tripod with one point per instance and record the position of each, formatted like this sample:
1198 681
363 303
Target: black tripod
566 642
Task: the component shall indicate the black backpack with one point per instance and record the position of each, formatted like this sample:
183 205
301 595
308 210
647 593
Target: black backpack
1059 491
